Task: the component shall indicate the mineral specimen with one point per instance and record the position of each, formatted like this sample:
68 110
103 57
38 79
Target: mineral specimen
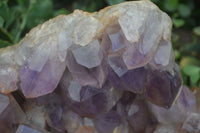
111 71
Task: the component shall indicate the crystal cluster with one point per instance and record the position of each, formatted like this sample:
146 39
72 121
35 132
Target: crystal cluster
111 71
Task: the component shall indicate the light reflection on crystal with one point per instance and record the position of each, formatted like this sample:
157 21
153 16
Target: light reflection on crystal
117 76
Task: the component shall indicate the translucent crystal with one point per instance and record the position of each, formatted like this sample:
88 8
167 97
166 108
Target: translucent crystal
74 90
162 87
177 113
187 101
132 80
36 83
91 57
117 64
80 73
117 41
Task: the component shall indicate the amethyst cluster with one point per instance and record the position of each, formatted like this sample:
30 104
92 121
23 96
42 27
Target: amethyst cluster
111 71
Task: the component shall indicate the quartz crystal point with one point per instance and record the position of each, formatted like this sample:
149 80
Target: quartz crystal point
111 71
162 86
139 116
185 104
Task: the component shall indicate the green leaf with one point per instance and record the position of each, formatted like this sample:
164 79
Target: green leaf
184 77
4 35
175 37
91 7
61 11
1 21
196 30
4 43
113 2
39 12
171 5
193 72
184 10
177 54
4 10
21 2
155 1
178 22
191 69
189 61
13 17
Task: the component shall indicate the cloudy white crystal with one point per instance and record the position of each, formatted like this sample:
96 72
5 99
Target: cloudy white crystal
91 57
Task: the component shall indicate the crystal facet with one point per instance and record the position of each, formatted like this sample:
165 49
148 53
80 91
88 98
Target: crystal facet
111 71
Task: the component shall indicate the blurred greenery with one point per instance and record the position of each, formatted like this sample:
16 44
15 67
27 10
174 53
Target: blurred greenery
17 17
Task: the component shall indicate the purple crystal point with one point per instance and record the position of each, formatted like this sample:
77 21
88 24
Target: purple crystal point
117 41
84 75
177 113
162 87
87 92
139 116
38 82
106 123
54 116
164 54
89 101
187 101
132 80
167 116
117 64
133 58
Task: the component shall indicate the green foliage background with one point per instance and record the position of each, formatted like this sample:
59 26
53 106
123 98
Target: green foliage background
17 17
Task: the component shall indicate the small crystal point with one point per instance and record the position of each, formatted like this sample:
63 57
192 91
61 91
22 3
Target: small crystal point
91 57
117 41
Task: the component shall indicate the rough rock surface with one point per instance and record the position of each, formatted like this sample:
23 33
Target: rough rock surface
111 71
